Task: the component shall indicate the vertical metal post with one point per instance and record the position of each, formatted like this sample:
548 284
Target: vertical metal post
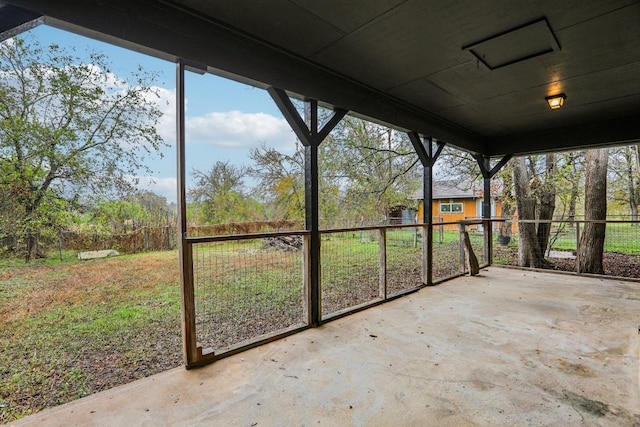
484 162
306 268
187 296
487 226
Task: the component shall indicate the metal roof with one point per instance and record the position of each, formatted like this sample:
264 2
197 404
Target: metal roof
474 74
458 189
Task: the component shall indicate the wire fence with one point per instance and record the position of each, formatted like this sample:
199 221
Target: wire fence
621 253
350 269
251 286
245 289
65 245
403 259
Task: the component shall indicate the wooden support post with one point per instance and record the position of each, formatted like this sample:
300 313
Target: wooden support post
187 294
424 150
311 136
484 162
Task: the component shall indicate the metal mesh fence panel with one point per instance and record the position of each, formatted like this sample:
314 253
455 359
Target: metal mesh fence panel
505 245
446 253
245 289
350 263
404 259
621 252
476 236
562 246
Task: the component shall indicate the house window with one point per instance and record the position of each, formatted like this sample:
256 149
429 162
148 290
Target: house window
450 208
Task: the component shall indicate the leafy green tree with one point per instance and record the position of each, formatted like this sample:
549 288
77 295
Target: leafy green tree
69 127
219 195
280 181
159 211
365 169
118 215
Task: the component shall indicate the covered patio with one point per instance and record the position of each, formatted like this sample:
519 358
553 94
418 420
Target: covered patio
506 347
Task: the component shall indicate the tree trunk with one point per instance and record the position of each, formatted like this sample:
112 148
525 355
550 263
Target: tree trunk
34 251
595 208
574 181
506 227
572 203
529 254
547 203
507 215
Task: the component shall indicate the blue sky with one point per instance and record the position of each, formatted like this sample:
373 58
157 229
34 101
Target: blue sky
224 119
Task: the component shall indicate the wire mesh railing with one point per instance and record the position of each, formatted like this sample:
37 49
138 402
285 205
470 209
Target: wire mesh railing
247 288
448 258
561 248
350 269
403 259
254 287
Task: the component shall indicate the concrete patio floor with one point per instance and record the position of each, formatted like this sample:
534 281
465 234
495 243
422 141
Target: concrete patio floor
505 348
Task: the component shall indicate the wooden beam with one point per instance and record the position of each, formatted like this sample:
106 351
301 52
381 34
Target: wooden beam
311 136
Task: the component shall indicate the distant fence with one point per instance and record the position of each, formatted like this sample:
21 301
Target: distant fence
245 227
143 239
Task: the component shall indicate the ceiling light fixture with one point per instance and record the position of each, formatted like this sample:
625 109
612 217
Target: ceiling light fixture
556 101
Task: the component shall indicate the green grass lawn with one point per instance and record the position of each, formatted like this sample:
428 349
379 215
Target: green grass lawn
619 238
73 329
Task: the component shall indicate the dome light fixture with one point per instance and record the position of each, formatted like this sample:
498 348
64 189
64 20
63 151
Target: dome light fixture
556 101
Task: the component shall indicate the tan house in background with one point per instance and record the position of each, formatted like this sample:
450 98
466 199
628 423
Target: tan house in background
456 200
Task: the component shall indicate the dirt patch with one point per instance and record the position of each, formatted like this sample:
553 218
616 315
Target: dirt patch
575 369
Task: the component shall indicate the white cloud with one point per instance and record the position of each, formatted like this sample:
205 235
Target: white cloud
228 129
235 129
166 103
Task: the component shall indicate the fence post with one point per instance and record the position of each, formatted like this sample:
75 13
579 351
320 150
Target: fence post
488 241
306 278
60 244
27 256
147 243
382 290
461 229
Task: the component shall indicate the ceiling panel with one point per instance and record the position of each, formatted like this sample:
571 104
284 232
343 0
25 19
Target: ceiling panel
280 22
348 15
427 95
